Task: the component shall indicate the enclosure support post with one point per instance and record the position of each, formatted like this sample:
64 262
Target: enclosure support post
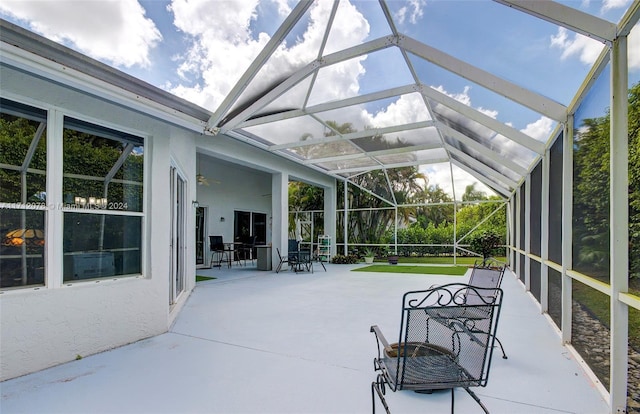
567 229
330 202
544 233
345 218
518 230
280 215
54 259
527 232
619 223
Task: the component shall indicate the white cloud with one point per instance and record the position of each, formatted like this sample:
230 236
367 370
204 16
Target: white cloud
586 48
540 129
223 49
414 11
283 7
406 109
613 4
115 31
465 98
440 174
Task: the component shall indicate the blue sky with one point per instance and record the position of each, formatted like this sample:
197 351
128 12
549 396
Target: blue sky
167 45
198 49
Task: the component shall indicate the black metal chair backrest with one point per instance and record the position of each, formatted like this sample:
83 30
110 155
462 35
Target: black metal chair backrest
216 244
293 248
445 342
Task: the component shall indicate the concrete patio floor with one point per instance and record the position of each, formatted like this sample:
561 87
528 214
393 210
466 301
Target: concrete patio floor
260 342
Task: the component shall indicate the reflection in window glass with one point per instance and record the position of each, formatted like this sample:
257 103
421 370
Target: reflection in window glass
102 167
22 249
101 245
23 153
590 329
23 157
103 179
591 182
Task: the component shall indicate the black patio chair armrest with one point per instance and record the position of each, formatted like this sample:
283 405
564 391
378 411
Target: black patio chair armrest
381 339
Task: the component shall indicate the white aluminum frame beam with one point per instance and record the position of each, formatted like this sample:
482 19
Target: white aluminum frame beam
370 154
619 224
480 167
629 20
389 166
487 152
567 17
567 230
264 55
356 100
302 73
485 120
354 135
484 180
523 96
366 190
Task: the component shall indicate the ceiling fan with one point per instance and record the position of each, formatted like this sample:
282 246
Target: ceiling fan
202 180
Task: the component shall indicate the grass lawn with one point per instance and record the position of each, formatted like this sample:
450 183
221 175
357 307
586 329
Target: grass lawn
423 270
200 278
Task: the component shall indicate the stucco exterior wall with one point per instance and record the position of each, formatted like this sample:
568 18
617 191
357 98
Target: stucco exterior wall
45 326
232 188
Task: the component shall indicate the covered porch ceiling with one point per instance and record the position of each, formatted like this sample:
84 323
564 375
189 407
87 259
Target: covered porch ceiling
393 98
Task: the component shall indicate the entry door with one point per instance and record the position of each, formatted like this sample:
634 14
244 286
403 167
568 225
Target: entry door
178 221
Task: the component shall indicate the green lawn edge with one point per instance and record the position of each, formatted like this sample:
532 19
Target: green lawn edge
422 270
200 278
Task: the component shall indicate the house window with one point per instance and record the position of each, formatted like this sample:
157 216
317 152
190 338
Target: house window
103 191
23 179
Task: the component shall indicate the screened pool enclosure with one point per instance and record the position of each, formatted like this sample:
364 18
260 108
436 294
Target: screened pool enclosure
427 117
559 150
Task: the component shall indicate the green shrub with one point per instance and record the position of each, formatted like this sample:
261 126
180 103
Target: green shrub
341 259
486 243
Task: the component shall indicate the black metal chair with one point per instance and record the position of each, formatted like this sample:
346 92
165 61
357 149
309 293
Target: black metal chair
293 255
487 274
216 245
248 247
283 260
444 342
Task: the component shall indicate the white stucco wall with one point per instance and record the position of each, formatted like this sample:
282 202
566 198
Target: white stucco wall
46 326
232 187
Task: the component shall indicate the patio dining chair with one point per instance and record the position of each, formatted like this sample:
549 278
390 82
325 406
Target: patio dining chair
216 245
248 247
444 343
283 260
